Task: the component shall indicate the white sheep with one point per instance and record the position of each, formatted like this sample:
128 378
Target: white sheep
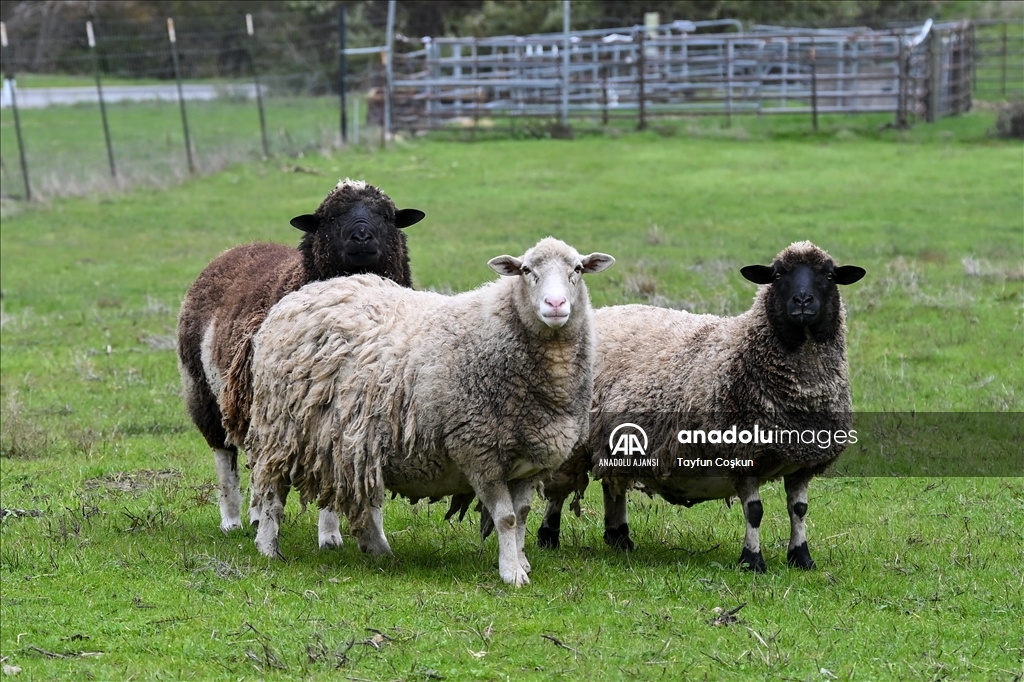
781 366
355 229
360 384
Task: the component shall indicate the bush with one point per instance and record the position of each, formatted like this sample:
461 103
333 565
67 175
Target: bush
1011 121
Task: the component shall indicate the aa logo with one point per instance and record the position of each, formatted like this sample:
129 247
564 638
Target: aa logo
628 440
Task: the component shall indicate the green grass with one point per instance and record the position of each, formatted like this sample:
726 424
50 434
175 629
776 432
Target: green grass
116 568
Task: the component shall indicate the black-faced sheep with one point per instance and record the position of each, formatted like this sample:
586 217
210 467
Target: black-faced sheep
355 230
361 385
780 366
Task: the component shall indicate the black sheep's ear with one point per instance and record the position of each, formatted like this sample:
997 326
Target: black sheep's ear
307 223
408 216
848 274
758 274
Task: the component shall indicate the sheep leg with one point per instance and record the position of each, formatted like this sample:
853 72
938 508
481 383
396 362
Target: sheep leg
254 509
751 558
796 500
551 527
522 496
271 514
367 525
329 530
616 520
225 461
498 500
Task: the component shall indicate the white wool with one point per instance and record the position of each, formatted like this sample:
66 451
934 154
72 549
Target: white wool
357 185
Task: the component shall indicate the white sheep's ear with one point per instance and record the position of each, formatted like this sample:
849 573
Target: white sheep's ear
508 266
307 223
848 274
596 262
405 217
759 274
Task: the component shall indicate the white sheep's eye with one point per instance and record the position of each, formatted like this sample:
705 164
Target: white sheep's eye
578 269
525 270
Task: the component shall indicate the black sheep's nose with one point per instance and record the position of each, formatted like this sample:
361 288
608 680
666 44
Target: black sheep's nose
803 299
361 235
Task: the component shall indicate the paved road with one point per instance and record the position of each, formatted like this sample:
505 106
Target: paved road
36 98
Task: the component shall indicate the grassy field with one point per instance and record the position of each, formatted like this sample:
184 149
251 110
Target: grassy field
113 567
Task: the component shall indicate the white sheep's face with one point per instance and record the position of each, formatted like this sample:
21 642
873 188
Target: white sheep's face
552 277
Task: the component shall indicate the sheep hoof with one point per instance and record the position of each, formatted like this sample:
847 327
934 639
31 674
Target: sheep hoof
619 538
376 548
800 557
524 562
752 561
548 537
517 577
228 526
269 550
331 541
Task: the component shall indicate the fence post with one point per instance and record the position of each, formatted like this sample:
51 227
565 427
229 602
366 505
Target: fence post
902 87
389 70
17 121
355 121
641 65
564 114
259 90
99 93
935 76
973 52
814 86
1004 59
728 82
181 95
342 67
604 95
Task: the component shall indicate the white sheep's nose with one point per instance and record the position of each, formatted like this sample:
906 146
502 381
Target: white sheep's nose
555 302
555 311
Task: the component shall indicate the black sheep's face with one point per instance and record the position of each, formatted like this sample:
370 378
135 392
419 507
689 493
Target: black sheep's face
357 239
360 234
804 296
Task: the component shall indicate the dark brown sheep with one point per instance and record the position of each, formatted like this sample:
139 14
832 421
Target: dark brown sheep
355 230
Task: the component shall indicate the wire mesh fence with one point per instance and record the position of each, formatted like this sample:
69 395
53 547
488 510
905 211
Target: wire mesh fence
233 87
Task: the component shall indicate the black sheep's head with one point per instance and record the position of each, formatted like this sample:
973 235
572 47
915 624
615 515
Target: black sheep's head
354 230
803 299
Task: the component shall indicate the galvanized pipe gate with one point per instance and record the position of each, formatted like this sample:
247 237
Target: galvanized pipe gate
673 70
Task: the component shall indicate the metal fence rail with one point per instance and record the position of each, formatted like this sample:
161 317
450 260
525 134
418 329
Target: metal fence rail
640 72
997 65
